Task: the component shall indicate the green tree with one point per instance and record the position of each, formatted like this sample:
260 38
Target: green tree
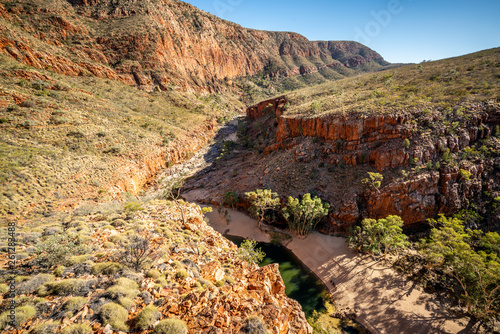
230 198
303 215
382 235
248 252
374 180
477 271
262 200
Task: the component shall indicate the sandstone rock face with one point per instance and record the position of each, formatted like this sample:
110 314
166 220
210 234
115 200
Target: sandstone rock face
377 140
163 44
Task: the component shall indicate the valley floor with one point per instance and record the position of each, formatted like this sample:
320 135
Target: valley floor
384 301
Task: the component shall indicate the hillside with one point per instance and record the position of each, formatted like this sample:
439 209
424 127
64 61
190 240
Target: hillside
168 44
85 273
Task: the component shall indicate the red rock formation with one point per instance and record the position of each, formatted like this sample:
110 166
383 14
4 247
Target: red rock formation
377 140
161 44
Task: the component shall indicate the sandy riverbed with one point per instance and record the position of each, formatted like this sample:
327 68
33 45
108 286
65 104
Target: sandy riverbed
385 302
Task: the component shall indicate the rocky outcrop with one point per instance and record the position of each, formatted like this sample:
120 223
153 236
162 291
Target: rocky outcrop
162 44
199 279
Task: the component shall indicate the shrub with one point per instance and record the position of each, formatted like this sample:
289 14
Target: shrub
123 287
106 268
77 329
46 328
248 252
117 292
116 238
33 283
136 252
374 180
153 274
22 314
59 271
230 198
57 248
406 143
126 302
67 287
171 326
262 200
254 325
4 288
114 315
303 215
181 274
79 259
148 316
74 304
108 244
465 174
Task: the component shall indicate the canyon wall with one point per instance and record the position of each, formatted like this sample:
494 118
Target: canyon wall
425 169
163 44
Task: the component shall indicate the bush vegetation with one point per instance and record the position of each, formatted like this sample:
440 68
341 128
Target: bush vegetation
262 200
22 314
171 326
115 315
248 252
379 235
472 259
57 249
147 317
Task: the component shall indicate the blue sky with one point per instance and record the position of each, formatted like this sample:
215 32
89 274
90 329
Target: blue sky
402 31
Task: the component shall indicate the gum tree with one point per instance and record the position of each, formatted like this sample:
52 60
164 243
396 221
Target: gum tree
303 215
262 200
379 235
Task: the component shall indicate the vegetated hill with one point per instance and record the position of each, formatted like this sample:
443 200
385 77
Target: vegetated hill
431 130
124 267
70 139
168 44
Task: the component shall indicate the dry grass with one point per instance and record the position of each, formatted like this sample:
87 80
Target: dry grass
65 136
446 83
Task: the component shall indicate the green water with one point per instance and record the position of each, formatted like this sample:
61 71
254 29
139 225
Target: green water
300 283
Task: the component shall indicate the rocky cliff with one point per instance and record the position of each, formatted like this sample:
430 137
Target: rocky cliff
428 166
416 141
165 44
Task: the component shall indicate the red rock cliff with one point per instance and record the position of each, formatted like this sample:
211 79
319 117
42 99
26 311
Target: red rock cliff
165 44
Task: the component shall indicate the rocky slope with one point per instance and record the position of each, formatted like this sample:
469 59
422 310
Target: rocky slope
164 44
192 273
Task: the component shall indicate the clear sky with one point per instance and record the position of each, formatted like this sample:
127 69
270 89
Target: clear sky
402 31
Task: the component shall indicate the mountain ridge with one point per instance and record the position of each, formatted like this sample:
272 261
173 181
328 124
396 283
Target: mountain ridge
169 45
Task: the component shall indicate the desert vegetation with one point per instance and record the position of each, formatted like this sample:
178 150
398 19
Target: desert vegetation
445 83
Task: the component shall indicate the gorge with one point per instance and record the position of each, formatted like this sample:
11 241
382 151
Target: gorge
119 117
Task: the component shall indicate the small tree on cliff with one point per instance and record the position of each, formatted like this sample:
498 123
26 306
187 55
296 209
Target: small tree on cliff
382 235
172 191
249 252
262 200
373 181
303 215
